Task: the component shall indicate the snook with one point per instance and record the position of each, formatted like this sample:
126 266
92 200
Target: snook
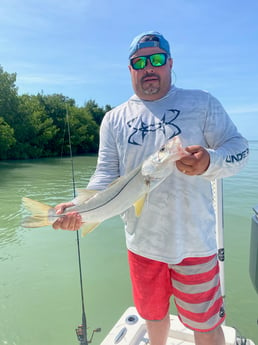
128 190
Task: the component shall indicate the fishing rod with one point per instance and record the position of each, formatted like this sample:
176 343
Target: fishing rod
220 231
81 331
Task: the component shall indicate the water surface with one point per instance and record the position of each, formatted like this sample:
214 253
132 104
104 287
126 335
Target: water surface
39 291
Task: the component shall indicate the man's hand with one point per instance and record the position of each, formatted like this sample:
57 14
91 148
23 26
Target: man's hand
71 221
196 163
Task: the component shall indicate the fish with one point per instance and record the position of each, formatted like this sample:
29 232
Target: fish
130 190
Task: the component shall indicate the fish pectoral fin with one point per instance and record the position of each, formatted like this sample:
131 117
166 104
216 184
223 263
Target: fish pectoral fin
88 227
138 205
84 194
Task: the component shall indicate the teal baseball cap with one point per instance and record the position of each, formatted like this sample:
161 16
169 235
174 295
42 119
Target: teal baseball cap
156 39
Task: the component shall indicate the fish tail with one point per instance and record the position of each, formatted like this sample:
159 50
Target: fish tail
39 214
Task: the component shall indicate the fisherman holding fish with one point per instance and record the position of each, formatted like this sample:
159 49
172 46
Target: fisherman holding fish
171 245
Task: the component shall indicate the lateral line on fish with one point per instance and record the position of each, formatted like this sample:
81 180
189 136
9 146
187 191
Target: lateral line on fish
114 196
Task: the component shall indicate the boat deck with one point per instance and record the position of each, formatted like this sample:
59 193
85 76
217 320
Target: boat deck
131 330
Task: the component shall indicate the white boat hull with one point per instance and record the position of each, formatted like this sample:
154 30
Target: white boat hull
131 330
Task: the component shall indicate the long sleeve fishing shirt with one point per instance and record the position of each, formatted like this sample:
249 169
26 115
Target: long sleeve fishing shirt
178 221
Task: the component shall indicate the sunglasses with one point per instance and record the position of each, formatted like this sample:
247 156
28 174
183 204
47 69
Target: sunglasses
156 60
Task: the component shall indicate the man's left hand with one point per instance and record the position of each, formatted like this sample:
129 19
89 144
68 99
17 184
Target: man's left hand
196 163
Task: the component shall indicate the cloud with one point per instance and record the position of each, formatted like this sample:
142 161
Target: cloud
49 79
243 109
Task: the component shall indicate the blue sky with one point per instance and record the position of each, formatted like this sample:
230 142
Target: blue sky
80 48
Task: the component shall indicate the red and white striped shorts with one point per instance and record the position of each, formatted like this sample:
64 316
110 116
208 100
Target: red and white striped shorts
194 283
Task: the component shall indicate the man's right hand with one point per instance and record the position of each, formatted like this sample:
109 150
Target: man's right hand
71 221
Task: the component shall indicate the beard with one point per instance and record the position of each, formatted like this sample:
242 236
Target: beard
150 86
151 90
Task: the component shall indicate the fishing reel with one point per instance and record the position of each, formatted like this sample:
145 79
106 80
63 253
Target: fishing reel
82 335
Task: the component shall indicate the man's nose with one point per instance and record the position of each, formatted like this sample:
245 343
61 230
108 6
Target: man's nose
148 66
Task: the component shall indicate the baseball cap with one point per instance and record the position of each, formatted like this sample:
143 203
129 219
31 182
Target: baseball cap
157 41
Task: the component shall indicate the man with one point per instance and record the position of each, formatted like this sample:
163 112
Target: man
172 246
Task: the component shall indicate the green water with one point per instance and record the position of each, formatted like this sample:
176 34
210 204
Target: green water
39 290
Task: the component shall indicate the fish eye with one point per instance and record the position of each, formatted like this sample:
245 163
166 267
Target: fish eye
162 149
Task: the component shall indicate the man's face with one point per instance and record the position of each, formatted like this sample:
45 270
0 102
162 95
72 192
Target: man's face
151 83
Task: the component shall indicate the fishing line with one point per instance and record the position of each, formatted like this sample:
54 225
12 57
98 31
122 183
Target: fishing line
81 331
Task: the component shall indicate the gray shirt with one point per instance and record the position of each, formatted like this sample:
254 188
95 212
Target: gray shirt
178 221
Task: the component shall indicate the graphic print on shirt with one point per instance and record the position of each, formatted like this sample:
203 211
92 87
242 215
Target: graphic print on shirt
141 130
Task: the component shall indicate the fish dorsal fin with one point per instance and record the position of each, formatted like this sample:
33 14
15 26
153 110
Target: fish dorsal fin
84 194
115 181
88 227
138 205
132 173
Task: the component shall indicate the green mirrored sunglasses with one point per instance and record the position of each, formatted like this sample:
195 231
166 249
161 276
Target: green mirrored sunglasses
156 60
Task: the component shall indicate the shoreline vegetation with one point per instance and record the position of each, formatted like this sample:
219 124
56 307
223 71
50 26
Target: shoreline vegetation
35 126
